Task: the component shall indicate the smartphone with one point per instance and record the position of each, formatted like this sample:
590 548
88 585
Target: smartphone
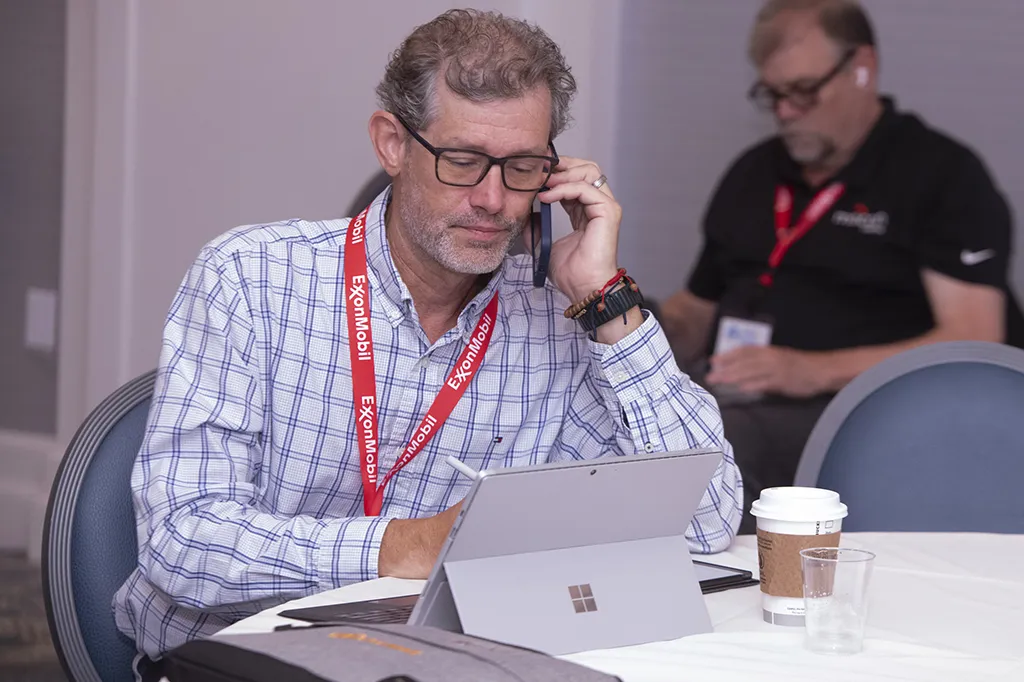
540 240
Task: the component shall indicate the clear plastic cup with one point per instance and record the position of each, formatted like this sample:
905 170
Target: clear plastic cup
836 598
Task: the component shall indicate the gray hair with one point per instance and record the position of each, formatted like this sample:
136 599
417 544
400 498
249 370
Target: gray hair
844 21
484 56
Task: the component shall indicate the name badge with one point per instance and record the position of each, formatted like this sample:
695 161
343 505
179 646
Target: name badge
737 332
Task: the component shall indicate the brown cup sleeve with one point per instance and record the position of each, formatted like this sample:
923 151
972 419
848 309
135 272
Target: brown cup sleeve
778 560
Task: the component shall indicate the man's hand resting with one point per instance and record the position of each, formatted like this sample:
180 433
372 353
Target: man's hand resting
410 547
769 369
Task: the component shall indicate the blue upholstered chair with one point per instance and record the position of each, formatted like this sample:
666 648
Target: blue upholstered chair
931 439
89 540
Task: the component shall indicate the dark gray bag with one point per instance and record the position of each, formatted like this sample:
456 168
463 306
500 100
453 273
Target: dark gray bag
366 653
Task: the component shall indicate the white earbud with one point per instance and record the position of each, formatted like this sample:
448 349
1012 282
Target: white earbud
862 77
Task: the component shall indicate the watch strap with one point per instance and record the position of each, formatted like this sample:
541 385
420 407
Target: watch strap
615 304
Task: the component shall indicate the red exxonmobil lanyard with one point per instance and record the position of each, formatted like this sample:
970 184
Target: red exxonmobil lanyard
785 235
364 382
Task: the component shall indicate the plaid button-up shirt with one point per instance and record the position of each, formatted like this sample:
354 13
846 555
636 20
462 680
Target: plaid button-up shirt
247 488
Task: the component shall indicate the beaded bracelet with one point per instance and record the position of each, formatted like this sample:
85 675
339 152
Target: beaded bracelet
577 310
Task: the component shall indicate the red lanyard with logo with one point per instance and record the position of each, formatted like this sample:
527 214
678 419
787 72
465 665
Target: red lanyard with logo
364 381
786 235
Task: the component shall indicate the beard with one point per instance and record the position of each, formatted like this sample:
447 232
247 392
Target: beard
808 149
438 236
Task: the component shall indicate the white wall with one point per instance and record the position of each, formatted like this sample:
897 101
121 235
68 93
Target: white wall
223 113
188 117
682 118
230 112
28 461
685 116
32 59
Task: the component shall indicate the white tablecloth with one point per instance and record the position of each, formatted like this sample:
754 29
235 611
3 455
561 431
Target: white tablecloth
944 607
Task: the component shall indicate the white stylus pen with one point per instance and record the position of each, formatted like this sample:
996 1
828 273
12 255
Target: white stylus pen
462 468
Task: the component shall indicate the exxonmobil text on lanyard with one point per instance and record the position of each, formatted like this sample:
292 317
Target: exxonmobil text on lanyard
364 382
786 234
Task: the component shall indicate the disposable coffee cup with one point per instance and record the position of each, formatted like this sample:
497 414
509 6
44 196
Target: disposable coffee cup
789 520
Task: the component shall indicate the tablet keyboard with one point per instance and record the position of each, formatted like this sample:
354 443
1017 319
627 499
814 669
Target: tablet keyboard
398 614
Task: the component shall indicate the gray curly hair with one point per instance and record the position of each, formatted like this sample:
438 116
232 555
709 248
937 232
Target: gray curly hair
484 56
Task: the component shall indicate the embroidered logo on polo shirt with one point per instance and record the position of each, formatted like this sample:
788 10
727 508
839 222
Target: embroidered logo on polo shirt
974 257
861 218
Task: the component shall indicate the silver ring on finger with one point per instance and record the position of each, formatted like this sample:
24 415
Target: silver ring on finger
600 182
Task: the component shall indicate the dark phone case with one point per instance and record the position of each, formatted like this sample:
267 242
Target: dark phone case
542 252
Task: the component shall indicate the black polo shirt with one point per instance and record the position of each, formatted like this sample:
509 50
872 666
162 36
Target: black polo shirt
915 199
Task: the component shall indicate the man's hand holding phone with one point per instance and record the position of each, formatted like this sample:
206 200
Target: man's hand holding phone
587 258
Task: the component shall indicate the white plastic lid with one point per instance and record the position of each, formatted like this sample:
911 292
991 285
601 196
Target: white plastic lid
794 503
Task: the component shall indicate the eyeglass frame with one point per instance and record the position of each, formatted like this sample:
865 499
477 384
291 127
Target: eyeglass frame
812 91
499 161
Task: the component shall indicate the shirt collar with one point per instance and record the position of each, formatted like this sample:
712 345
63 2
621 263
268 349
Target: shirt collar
475 308
390 291
393 295
860 170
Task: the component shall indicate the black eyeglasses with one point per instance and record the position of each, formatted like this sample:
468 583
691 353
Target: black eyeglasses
803 96
467 168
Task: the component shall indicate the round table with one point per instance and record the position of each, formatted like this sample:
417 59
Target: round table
944 606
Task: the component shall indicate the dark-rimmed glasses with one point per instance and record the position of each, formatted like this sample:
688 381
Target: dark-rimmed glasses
802 96
467 168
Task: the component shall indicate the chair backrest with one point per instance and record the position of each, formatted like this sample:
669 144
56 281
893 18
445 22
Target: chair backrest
931 439
89 538
368 192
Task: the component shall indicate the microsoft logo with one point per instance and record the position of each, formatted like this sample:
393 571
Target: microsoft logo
582 598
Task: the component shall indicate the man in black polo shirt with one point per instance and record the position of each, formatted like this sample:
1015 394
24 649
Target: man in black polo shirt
856 233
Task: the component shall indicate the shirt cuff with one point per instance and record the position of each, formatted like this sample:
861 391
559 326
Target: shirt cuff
638 365
348 549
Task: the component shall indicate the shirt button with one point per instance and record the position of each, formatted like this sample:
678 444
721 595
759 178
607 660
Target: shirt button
649 448
619 378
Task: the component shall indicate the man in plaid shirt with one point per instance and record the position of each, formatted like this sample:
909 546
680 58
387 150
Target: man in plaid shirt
302 361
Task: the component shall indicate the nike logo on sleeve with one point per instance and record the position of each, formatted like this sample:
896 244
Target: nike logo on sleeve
975 257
